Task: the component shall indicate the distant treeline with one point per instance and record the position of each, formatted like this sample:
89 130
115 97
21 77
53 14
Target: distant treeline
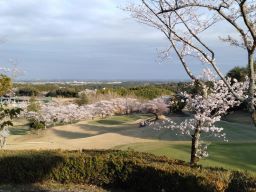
146 91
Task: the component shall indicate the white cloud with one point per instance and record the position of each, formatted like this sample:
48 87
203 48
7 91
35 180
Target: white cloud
53 19
47 35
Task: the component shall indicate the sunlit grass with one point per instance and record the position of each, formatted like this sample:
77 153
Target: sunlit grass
235 156
238 154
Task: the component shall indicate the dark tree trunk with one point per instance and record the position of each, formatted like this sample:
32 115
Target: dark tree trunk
156 116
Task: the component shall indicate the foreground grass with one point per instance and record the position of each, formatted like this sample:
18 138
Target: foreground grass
235 156
113 169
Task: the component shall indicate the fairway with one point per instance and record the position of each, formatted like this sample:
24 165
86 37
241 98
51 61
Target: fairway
235 156
123 132
96 134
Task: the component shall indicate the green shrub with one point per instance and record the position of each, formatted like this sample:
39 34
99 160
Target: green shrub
33 105
63 92
124 169
27 91
5 84
238 73
35 124
83 99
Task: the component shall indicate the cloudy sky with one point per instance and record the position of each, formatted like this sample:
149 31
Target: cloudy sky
89 40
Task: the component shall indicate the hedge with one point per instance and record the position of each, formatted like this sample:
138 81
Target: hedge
123 169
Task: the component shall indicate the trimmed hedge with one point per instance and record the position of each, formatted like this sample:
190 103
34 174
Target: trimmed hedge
125 169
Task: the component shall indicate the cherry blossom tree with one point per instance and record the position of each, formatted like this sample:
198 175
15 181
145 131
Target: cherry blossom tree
7 113
51 114
156 107
6 117
206 111
183 22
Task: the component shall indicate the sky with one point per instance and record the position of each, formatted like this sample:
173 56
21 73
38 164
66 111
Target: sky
91 40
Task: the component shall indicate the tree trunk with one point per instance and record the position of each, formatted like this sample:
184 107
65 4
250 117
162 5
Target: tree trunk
194 147
2 142
156 116
196 137
251 105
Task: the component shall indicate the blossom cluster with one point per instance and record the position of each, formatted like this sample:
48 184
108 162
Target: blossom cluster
207 110
55 113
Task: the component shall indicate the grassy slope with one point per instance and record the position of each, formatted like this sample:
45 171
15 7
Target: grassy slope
238 154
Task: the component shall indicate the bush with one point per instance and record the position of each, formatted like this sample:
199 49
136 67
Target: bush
5 84
82 100
241 181
27 91
65 92
35 124
238 73
33 105
127 170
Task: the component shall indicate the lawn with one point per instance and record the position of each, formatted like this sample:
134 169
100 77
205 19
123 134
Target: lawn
123 132
119 120
237 154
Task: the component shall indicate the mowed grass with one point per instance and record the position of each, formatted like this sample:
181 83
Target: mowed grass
237 154
119 120
20 127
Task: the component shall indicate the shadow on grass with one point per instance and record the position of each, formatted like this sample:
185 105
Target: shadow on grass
72 135
92 130
124 125
239 117
110 122
19 130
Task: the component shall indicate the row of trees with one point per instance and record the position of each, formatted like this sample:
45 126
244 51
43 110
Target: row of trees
238 73
53 113
146 92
